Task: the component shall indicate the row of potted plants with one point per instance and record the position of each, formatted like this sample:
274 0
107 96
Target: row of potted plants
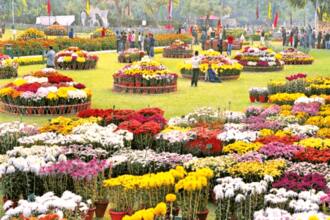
292 56
178 49
43 90
145 76
225 67
75 59
259 59
8 67
131 55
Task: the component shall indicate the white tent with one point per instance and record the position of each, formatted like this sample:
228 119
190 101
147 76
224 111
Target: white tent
62 20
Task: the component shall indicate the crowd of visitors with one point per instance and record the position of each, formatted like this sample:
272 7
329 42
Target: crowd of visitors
140 40
305 37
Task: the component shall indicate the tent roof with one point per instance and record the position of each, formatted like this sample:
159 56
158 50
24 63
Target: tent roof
62 20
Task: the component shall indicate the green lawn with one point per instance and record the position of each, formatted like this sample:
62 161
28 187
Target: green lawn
233 94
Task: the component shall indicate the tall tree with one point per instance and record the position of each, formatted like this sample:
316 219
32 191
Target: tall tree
322 8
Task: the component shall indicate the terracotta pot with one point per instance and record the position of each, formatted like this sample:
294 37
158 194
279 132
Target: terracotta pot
117 215
252 99
262 98
101 207
90 214
202 215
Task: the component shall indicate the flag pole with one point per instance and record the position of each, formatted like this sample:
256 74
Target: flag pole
13 18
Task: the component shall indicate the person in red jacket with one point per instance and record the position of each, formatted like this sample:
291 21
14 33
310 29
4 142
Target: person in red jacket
103 32
230 41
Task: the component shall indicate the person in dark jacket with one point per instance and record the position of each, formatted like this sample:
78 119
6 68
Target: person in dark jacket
151 45
212 77
203 39
71 33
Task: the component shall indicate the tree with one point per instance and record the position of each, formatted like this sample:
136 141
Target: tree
323 7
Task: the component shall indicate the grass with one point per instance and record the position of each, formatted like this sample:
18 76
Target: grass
230 94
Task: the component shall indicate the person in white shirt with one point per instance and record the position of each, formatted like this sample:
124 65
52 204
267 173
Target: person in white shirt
140 41
195 61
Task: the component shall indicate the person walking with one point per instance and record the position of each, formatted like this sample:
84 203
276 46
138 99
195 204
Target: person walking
133 38
319 40
283 31
230 41
71 33
146 44
220 42
123 40
262 37
50 55
195 61
296 38
195 35
118 43
203 39
140 41
151 46
291 38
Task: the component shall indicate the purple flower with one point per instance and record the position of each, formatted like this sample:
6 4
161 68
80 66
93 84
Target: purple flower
278 150
309 108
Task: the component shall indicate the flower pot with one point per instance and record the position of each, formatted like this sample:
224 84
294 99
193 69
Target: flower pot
202 215
117 215
101 207
262 98
90 214
252 99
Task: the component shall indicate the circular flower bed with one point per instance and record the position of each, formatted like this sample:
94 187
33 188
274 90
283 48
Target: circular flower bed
74 58
146 76
226 68
8 67
259 59
44 92
56 30
292 56
131 55
178 49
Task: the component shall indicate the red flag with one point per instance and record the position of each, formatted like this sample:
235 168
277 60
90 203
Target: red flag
276 20
257 10
170 9
49 7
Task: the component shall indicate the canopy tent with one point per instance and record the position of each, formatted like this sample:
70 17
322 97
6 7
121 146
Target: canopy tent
65 20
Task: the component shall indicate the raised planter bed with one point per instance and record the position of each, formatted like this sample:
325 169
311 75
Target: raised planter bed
145 89
202 77
44 110
262 68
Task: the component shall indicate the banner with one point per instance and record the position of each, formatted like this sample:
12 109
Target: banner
88 7
276 20
49 7
257 10
270 11
170 9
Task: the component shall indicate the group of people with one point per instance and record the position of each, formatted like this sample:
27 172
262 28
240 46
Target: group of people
125 40
210 35
210 75
305 37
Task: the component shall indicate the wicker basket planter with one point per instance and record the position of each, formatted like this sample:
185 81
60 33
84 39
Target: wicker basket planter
131 55
178 49
44 110
73 58
144 89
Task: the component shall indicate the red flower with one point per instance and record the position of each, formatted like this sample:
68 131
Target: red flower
149 127
29 87
56 79
289 140
94 113
313 155
131 125
80 86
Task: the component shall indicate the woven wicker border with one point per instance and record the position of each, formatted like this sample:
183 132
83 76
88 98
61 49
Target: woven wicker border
144 90
262 68
44 110
224 78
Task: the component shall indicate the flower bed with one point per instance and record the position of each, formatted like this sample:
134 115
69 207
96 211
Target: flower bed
265 163
8 67
36 46
178 49
44 92
56 30
74 58
98 32
292 56
259 59
131 55
237 45
146 77
226 68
